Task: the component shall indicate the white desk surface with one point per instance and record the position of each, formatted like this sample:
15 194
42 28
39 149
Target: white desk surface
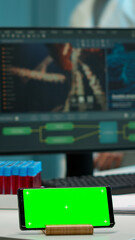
124 229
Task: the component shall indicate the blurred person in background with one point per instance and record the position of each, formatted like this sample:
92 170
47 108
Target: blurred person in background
102 14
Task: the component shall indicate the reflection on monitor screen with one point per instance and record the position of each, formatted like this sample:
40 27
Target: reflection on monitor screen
66 90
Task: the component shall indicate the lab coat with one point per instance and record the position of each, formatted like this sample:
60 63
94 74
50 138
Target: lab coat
117 13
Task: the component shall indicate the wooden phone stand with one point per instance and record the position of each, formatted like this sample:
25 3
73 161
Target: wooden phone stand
68 230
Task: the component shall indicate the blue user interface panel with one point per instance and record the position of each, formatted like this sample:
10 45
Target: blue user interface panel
66 90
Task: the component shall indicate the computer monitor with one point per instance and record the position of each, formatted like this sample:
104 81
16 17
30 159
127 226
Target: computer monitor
66 90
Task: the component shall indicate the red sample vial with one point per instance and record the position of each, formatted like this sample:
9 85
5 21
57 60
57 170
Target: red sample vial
7 184
34 174
2 177
2 163
7 172
24 179
16 176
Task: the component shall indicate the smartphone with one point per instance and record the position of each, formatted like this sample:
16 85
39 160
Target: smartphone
62 206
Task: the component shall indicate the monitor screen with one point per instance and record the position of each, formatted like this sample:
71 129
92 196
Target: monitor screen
64 90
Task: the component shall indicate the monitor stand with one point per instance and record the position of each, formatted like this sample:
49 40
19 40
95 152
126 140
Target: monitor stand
79 164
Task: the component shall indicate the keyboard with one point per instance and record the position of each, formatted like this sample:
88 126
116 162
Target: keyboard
120 183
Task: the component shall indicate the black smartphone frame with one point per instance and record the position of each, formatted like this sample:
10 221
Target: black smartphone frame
22 215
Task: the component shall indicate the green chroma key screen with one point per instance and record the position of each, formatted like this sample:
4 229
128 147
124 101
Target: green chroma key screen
66 206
